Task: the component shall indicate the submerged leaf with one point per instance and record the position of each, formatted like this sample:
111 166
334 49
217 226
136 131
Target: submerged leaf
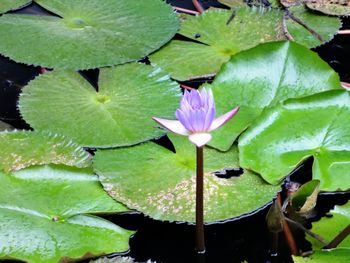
5 126
161 184
247 81
20 149
119 114
329 227
47 215
338 255
87 34
286 135
330 7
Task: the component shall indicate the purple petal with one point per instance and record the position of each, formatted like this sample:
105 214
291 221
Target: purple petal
200 139
195 99
218 122
209 118
172 125
183 117
197 119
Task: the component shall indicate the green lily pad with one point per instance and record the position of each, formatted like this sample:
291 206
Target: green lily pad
325 27
339 255
161 184
48 215
88 34
7 5
5 126
20 149
330 227
186 60
247 81
221 35
118 114
286 135
337 8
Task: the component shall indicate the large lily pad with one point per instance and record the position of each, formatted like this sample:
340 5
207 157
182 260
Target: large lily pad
330 227
47 215
87 33
286 135
339 255
7 5
118 114
262 77
186 60
161 184
20 149
223 33
320 28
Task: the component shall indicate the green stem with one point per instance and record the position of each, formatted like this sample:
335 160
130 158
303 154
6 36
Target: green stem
200 244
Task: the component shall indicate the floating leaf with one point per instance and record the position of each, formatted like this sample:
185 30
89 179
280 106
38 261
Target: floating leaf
5 127
330 227
118 114
47 215
7 5
20 149
339 255
338 8
161 184
88 33
305 198
247 81
286 135
186 60
321 28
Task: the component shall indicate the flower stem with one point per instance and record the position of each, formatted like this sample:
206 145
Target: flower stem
200 245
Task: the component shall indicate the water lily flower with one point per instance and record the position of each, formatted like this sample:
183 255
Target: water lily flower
196 117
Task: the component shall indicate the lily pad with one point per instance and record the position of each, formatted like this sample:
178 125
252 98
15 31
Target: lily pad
220 39
20 149
339 255
48 215
330 227
7 5
321 28
118 114
337 8
247 81
88 34
286 135
161 183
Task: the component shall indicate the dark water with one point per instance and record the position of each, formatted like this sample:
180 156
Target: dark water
232 241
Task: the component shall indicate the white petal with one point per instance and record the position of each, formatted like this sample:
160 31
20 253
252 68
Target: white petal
172 125
218 122
200 139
